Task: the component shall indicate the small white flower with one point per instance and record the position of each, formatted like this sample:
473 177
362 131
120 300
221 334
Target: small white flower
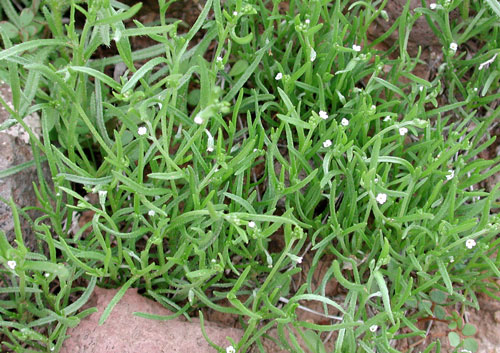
219 59
142 130
279 76
210 141
432 6
327 143
450 175
452 259
356 47
381 198
213 261
487 63
470 243
344 122
12 264
46 274
420 88
373 328
235 13
299 260
403 131
475 89
453 46
251 224
117 36
323 115
151 213
230 349
102 193
387 118
198 120
375 180
313 55
307 21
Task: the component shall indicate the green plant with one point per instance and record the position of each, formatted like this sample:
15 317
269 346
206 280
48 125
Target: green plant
20 25
293 129
460 330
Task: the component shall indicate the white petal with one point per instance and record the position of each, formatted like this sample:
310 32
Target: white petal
381 198
11 264
487 63
470 243
323 115
313 55
198 120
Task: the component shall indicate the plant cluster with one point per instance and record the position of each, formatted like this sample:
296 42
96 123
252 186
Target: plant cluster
259 124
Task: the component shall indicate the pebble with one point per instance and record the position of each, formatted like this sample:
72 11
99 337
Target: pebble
497 316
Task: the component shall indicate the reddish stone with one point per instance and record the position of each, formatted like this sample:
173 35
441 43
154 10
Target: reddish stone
124 332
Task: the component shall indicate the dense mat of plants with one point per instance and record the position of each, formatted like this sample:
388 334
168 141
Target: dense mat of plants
259 124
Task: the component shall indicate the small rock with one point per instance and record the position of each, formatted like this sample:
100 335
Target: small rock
497 316
124 332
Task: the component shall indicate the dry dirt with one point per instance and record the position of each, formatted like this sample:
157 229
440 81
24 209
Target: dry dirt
124 332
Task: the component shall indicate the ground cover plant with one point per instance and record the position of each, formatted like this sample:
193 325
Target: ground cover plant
232 149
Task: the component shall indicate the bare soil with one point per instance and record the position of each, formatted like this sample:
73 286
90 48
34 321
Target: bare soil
487 320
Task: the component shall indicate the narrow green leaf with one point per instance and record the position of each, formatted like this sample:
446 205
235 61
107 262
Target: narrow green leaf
86 180
167 176
98 75
70 309
385 294
391 87
141 72
244 78
19 48
115 300
445 275
111 20
495 6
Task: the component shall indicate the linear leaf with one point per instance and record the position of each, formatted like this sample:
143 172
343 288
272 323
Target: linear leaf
19 48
